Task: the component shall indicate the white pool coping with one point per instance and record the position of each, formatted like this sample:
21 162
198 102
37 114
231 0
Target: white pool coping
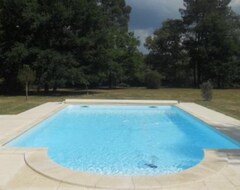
219 168
105 101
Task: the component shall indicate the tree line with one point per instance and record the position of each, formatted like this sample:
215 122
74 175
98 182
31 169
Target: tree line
204 45
74 43
86 43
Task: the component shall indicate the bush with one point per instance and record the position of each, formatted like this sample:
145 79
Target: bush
153 80
206 90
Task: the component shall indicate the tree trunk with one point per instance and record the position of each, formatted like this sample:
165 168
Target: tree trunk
26 88
194 76
38 89
54 88
38 85
110 80
46 88
198 74
86 89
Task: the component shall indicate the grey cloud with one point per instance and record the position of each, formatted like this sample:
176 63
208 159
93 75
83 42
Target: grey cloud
142 34
151 13
235 4
147 15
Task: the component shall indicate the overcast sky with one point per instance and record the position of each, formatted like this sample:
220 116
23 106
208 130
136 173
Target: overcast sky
148 15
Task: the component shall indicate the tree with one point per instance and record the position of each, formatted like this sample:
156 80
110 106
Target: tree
60 40
54 36
133 62
26 76
203 45
16 34
118 46
51 69
116 12
167 53
209 39
75 43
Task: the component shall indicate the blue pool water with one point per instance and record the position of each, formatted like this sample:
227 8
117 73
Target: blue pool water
124 140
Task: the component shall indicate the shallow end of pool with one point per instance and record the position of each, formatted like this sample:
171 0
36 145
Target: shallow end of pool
213 162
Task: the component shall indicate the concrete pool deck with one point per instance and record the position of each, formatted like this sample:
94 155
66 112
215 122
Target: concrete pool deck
31 168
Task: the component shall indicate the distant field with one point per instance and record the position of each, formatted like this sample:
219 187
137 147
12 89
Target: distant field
225 101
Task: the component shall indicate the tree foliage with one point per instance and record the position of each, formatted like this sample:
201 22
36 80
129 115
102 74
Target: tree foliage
205 40
67 42
167 53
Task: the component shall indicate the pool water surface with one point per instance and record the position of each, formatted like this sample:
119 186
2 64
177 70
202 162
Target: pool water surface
124 139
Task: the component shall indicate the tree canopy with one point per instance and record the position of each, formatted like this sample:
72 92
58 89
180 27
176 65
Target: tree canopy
67 43
206 40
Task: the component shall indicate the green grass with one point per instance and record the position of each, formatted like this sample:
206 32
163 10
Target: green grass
225 101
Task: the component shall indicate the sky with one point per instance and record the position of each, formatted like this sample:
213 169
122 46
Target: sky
147 15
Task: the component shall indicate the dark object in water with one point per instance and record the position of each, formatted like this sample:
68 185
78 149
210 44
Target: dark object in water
151 166
152 106
84 106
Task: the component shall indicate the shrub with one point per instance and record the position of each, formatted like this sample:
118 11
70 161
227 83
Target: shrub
206 90
153 80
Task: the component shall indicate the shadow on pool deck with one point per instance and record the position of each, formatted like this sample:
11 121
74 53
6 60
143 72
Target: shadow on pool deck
231 130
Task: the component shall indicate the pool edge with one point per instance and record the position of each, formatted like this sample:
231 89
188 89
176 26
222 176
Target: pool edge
213 162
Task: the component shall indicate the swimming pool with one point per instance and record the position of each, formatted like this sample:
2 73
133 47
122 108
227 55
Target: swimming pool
124 140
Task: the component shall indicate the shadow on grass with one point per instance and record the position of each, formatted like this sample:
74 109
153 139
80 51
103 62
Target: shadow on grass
59 93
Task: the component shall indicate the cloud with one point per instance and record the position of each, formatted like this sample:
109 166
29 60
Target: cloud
151 13
142 34
147 15
235 4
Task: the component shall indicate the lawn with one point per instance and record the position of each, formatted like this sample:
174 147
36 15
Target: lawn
225 101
